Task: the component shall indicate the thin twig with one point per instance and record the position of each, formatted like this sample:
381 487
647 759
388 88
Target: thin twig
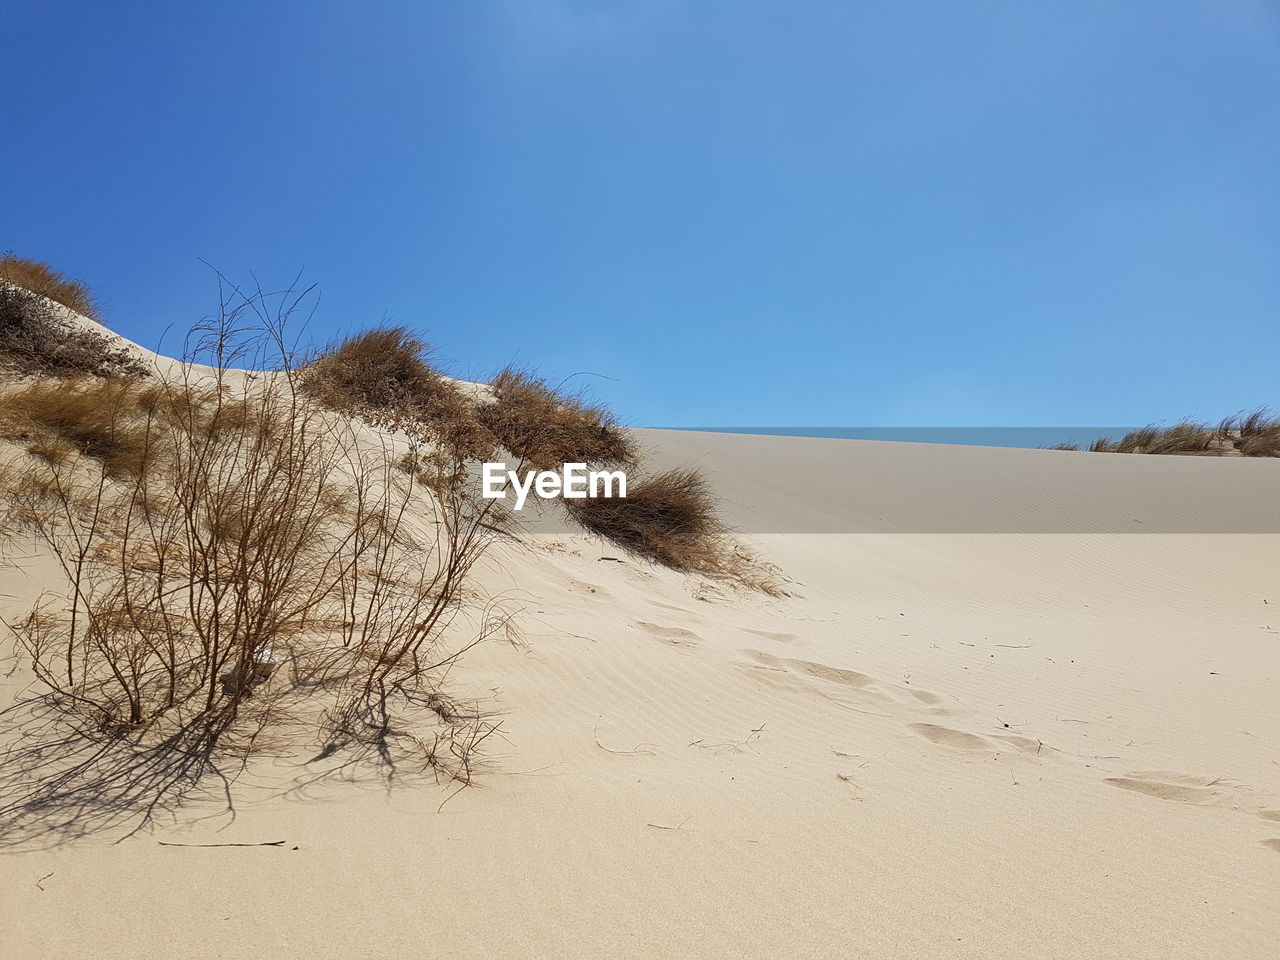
663 826
268 843
637 752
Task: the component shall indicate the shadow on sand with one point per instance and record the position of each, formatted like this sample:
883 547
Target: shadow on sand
61 781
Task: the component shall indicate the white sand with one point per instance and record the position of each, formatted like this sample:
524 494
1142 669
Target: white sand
980 745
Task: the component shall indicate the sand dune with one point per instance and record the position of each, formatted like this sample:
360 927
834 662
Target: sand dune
962 735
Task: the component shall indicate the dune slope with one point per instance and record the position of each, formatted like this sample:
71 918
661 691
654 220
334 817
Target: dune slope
1031 739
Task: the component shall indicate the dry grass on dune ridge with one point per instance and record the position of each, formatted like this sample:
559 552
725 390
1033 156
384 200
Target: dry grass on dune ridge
1255 434
238 561
547 428
36 337
385 376
34 341
41 278
667 518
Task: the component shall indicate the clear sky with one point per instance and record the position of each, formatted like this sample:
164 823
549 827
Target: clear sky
746 213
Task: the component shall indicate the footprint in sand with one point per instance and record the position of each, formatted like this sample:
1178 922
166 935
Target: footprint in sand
770 635
925 697
834 674
1025 744
951 738
1273 844
1163 785
821 671
594 590
1272 815
682 611
867 686
676 636
791 674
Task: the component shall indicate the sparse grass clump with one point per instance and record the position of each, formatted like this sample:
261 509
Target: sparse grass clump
43 279
1256 434
97 418
1185 437
384 376
54 452
670 518
547 429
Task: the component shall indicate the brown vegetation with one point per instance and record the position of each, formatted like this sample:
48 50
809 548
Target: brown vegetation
384 375
238 562
35 340
99 418
546 428
267 568
1256 434
41 278
670 518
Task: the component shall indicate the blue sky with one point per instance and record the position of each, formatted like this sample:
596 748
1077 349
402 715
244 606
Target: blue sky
744 213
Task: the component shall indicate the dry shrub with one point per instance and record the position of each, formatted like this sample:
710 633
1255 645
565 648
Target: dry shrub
670 518
35 340
547 429
179 577
41 278
272 566
385 376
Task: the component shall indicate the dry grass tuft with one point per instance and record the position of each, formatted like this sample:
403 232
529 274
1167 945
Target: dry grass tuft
385 376
1255 434
41 278
670 518
547 429
95 417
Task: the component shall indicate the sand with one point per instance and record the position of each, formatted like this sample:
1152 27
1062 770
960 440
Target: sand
948 742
